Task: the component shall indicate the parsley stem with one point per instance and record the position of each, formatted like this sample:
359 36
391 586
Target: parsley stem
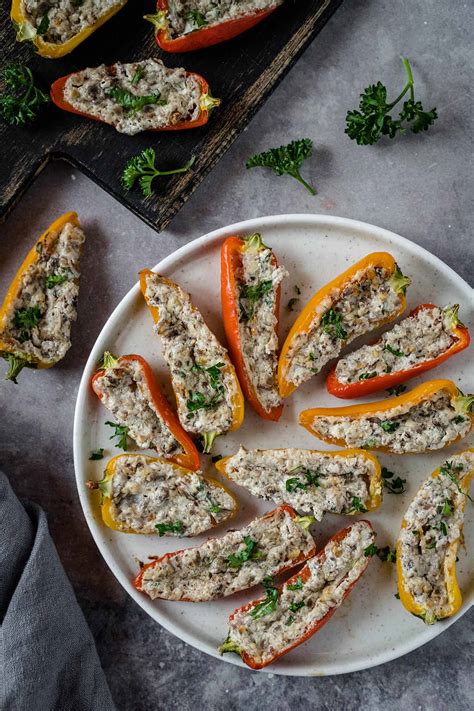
303 182
408 86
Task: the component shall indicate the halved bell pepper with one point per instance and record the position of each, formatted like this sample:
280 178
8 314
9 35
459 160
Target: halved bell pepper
16 358
204 36
217 563
190 457
288 603
462 405
207 102
231 260
384 381
227 468
27 33
107 506
319 304
459 478
237 398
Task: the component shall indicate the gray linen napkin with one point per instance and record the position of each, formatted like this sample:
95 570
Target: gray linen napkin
49 657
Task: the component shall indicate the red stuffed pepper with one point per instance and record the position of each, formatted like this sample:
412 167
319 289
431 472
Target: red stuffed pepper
250 293
266 629
422 341
141 96
128 388
199 24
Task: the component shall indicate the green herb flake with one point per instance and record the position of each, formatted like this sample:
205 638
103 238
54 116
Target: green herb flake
131 102
137 75
448 470
367 376
448 508
370 550
357 505
295 606
269 603
163 528
26 319
443 528
389 426
393 484
197 18
43 26
298 585
121 432
250 295
394 351
97 454
396 390
331 323
250 552
292 303
56 279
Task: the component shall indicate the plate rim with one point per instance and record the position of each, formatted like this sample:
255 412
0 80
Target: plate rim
255 223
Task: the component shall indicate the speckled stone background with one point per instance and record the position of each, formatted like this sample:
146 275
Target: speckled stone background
418 186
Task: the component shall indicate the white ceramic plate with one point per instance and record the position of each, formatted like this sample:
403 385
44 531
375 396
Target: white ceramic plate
371 627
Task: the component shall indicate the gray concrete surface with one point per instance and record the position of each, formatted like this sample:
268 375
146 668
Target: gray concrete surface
418 186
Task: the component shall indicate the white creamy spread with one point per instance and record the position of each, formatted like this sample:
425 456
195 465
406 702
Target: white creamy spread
298 611
368 300
125 392
415 340
433 523
56 21
431 424
203 380
258 280
186 16
310 481
213 570
108 94
147 492
38 324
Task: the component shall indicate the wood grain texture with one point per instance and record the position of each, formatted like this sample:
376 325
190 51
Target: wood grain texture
243 72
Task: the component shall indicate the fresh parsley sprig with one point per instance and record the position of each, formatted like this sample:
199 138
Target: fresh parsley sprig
21 99
373 120
133 103
120 431
142 168
286 160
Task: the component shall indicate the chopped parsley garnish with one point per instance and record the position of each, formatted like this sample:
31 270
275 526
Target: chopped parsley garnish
389 426
43 26
393 484
21 99
295 606
293 484
357 505
250 552
443 528
312 479
397 390
97 454
25 320
370 444
298 585
269 603
137 76
387 554
370 550
291 303
250 295
213 505
368 376
132 103
459 419
286 160
393 351
448 508
197 18
162 528
197 400
297 289
448 470
142 168
121 432
397 596
55 279
331 323
367 125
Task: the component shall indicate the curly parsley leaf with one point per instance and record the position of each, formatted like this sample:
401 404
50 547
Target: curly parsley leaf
331 322
142 168
197 18
372 121
269 603
21 99
285 160
121 432
163 528
357 506
133 103
393 484
250 552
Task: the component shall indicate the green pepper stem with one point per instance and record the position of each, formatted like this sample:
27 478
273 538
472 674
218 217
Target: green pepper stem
463 403
304 521
207 441
398 281
209 102
254 243
230 646
451 316
159 20
108 360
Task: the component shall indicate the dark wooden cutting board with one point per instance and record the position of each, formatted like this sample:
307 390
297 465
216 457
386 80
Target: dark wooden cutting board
243 72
